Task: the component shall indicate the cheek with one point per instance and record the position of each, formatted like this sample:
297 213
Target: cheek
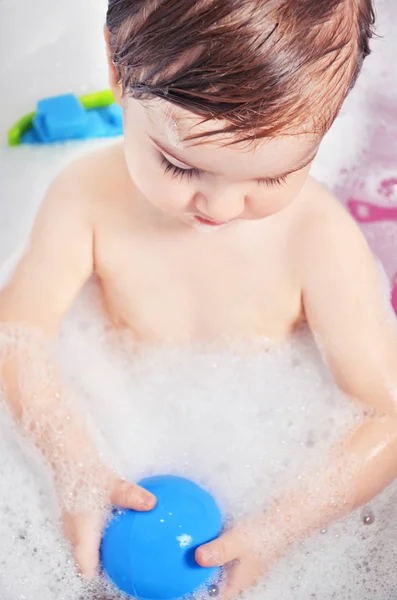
159 188
272 200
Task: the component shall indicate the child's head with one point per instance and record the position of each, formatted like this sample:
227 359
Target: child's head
241 90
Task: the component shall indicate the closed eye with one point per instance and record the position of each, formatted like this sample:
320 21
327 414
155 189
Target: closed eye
178 172
273 181
189 174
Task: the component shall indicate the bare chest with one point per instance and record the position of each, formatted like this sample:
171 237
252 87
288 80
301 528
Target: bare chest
177 289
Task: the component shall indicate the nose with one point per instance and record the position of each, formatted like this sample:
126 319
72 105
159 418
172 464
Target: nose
221 205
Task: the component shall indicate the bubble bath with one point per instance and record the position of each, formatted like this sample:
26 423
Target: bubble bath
246 423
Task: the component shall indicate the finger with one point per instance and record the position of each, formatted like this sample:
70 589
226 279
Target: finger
129 495
84 533
239 578
86 556
226 548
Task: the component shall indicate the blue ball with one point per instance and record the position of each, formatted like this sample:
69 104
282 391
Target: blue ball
150 555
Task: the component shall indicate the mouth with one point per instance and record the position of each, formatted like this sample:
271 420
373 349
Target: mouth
208 222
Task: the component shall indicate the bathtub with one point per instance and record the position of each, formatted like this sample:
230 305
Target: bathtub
50 48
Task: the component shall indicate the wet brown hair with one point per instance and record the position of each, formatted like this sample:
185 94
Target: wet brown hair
264 66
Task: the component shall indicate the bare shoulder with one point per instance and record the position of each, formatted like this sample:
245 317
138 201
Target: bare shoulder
324 230
320 208
59 257
101 165
90 177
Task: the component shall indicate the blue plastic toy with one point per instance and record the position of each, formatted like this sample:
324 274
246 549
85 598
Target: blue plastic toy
151 555
68 117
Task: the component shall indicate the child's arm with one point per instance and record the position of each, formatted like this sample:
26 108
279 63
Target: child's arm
350 317
58 262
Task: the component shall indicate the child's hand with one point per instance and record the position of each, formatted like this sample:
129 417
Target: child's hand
240 550
84 530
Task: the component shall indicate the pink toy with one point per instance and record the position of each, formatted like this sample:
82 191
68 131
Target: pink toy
388 187
365 212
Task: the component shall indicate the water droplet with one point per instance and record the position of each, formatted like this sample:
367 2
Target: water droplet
368 518
213 591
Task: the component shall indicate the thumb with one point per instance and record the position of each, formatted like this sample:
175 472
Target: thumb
228 547
129 495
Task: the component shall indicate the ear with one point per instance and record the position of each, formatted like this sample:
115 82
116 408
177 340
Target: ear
113 74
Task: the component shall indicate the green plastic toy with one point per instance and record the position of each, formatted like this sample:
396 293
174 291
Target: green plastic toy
105 123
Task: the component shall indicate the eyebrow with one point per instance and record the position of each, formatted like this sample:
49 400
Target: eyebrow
174 155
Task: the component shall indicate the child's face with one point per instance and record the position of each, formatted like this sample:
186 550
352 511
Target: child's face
226 183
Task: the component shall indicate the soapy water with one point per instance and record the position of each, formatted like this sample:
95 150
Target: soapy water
246 424
233 421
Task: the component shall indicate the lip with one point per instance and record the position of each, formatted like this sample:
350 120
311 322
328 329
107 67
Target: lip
207 222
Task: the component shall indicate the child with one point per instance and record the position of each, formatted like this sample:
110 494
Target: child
205 225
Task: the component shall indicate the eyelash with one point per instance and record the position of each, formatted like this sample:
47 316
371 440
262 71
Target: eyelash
177 172
188 174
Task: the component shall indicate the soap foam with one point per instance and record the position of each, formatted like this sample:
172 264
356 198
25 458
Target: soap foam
247 423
